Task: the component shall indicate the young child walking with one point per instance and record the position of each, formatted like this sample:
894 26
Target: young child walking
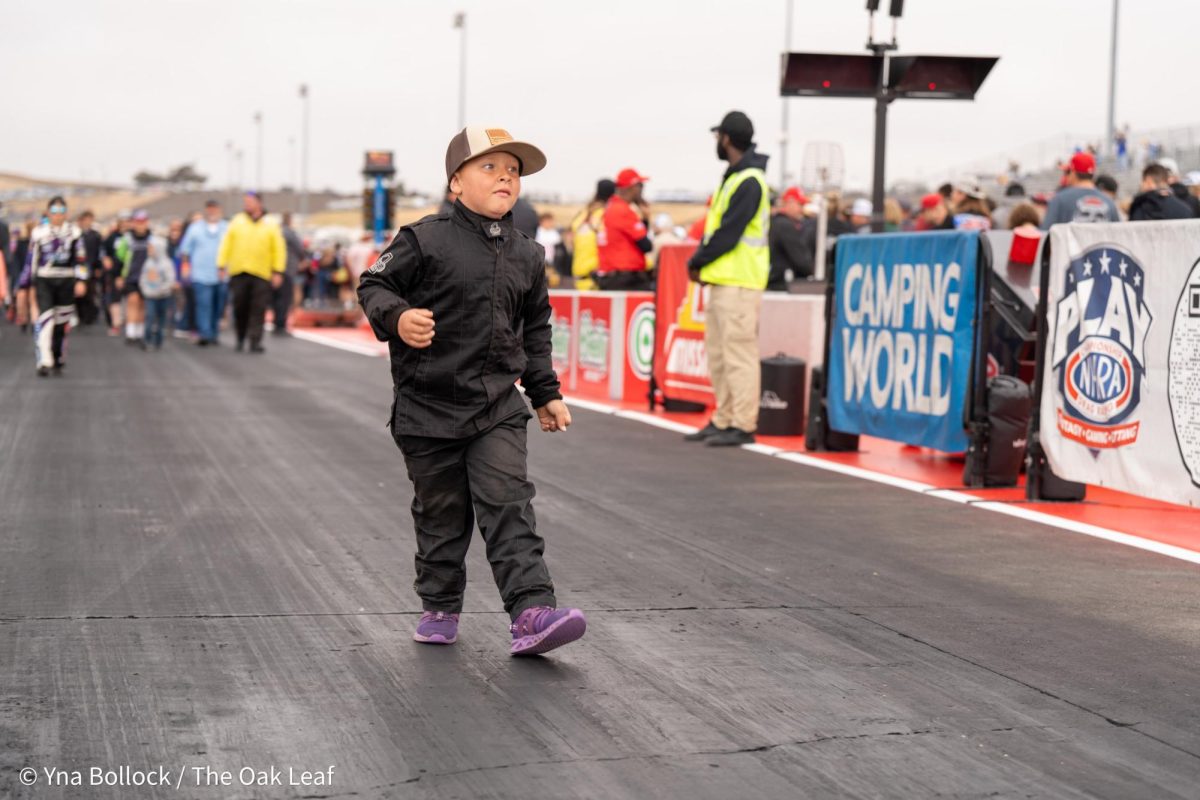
461 300
157 284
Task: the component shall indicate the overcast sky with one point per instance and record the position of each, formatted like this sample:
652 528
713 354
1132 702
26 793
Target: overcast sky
102 88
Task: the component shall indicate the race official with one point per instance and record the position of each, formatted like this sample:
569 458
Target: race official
734 260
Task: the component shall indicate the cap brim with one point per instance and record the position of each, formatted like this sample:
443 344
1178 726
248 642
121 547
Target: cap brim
532 159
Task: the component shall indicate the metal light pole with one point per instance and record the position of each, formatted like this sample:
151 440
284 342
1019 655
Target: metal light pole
292 163
783 140
238 160
460 23
883 97
229 169
1112 84
304 154
258 165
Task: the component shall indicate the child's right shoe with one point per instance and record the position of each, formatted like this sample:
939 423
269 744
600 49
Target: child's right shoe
437 627
541 629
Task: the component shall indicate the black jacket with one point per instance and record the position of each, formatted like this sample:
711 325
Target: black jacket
1156 204
788 251
485 283
743 205
1184 195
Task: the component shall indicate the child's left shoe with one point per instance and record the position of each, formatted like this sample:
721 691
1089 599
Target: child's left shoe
541 629
437 627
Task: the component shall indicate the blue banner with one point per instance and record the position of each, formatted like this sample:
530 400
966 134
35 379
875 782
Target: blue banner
903 334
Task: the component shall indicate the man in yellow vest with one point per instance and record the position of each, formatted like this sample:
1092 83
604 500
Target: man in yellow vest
254 256
734 260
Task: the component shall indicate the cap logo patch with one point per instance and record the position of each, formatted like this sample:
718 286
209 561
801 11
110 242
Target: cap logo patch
497 136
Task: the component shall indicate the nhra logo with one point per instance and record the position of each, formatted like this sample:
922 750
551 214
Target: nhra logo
1099 347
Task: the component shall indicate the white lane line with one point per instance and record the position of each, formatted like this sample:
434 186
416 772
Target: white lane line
329 341
1170 550
928 490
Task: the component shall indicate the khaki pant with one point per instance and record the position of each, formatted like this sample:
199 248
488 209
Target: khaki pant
731 339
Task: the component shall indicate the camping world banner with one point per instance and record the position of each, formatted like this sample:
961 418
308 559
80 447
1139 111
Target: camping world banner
903 336
1121 377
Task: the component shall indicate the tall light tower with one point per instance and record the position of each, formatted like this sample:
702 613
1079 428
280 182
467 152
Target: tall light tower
259 155
304 153
229 168
460 24
786 135
1112 85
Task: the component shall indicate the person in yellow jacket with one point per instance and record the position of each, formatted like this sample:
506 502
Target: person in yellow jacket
585 257
734 261
254 256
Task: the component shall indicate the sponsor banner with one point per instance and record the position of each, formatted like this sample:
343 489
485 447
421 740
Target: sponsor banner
639 345
594 331
680 359
1121 375
563 337
903 336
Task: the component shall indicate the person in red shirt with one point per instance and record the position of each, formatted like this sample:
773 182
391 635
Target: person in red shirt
623 240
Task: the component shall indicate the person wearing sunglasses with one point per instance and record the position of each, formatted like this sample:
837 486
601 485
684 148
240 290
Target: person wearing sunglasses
58 270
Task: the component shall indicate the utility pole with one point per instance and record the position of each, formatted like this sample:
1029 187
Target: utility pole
304 153
1112 85
229 169
258 187
786 136
460 23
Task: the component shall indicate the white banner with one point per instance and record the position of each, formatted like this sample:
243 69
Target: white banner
1121 379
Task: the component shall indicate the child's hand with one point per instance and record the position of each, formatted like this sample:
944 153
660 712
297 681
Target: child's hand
554 416
416 328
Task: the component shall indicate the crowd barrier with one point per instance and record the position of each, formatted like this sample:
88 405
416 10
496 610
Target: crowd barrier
1104 323
1117 396
603 343
793 324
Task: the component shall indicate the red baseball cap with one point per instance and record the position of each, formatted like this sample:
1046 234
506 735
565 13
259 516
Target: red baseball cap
629 177
931 201
795 193
1084 163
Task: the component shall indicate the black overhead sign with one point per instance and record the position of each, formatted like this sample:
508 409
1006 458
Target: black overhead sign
938 77
852 75
830 75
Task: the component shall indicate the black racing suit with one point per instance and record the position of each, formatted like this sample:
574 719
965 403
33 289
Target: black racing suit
457 416
56 261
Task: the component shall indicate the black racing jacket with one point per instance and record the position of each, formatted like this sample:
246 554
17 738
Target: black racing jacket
485 283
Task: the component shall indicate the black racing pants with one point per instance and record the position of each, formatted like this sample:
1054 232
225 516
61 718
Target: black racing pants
56 303
281 303
249 295
459 481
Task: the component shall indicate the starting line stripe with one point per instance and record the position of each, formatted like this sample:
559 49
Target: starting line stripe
928 490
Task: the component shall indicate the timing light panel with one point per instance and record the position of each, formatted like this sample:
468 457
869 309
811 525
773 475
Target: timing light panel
830 75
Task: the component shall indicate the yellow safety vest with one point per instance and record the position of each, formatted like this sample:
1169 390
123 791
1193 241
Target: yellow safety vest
748 264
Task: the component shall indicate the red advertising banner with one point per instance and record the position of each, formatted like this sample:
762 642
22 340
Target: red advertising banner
639 346
562 323
680 360
594 345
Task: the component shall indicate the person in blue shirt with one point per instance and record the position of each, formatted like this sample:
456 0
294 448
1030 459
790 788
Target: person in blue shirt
198 250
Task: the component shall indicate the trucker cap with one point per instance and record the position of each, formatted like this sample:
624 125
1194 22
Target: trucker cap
474 141
931 200
795 193
1083 163
630 177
